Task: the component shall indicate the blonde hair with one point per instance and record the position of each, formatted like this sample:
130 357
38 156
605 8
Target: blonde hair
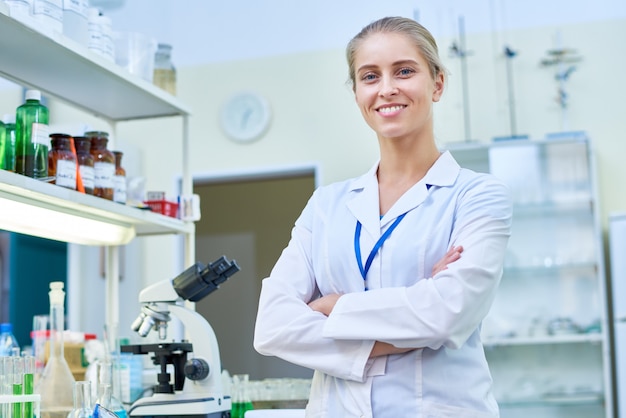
420 36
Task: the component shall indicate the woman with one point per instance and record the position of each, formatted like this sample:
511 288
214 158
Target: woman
388 276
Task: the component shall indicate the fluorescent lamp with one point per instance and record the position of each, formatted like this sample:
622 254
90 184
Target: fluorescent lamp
61 226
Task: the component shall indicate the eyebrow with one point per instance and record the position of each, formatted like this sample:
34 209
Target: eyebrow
395 64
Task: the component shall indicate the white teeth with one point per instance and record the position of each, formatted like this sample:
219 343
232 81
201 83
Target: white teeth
390 109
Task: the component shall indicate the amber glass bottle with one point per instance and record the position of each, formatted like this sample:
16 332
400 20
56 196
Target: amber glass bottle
119 180
85 162
61 161
103 164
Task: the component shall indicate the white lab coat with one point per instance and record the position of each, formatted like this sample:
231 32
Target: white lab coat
447 376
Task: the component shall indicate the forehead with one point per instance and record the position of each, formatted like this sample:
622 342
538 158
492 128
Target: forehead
380 48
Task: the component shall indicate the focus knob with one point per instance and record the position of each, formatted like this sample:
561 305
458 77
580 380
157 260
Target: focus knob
196 369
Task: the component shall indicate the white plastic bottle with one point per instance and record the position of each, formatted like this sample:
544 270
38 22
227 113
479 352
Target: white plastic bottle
8 343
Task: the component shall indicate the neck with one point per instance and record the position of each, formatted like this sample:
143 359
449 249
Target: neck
405 161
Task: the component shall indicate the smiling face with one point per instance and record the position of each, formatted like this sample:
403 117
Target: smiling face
394 86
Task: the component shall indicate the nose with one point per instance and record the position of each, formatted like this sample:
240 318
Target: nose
388 87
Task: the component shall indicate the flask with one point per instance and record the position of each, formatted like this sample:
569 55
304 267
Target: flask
85 162
106 396
8 343
9 145
164 71
57 382
62 161
82 400
241 401
103 163
119 179
31 137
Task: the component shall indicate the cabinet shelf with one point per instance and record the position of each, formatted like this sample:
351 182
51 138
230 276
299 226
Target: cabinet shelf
38 194
57 65
549 270
544 340
557 400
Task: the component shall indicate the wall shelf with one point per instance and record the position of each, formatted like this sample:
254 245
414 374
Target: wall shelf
57 65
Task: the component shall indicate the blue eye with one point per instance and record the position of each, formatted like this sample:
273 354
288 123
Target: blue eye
369 77
406 71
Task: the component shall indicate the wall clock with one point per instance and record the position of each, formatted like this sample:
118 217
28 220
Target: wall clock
245 116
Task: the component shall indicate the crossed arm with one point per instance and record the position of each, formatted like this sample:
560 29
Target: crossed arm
326 303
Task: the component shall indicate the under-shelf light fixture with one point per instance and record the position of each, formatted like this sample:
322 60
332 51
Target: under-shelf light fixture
29 219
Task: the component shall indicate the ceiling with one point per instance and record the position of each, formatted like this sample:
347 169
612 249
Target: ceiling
204 31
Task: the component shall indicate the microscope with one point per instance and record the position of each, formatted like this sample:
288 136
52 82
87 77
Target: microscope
197 388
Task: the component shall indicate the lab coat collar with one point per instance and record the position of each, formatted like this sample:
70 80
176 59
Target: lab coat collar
364 203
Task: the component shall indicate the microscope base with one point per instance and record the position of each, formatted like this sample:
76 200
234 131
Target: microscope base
177 406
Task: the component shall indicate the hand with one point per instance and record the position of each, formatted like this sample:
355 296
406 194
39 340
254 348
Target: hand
451 256
382 349
325 304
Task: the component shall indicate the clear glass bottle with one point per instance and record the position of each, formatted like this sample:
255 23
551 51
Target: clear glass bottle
9 147
82 400
32 137
85 162
241 401
103 163
57 382
119 180
62 161
164 71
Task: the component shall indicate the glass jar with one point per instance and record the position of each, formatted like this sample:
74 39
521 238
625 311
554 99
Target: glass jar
85 162
103 164
62 161
164 71
119 180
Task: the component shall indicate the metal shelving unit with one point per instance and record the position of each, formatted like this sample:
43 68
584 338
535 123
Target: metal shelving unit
546 337
61 68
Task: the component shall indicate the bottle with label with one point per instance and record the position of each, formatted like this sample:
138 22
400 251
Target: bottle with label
50 14
8 162
62 161
164 70
57 382
85 162
119 180
32 137
103 163
75 20
8 343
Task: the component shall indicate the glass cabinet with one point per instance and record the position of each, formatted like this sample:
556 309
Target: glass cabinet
546 337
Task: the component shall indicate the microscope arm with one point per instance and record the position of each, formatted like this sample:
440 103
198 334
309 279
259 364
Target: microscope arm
204 342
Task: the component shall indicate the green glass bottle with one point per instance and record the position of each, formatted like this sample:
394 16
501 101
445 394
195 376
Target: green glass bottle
9 149
32 137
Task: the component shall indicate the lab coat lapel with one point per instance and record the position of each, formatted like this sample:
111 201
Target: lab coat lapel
363 203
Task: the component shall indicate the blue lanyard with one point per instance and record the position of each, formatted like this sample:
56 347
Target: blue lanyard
377 246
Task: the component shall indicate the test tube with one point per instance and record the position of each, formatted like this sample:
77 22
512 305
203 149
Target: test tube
6 374
18 384
29 383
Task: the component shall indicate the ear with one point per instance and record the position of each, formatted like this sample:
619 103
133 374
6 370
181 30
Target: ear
438 87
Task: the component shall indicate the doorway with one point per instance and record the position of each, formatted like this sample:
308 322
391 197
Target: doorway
248 218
